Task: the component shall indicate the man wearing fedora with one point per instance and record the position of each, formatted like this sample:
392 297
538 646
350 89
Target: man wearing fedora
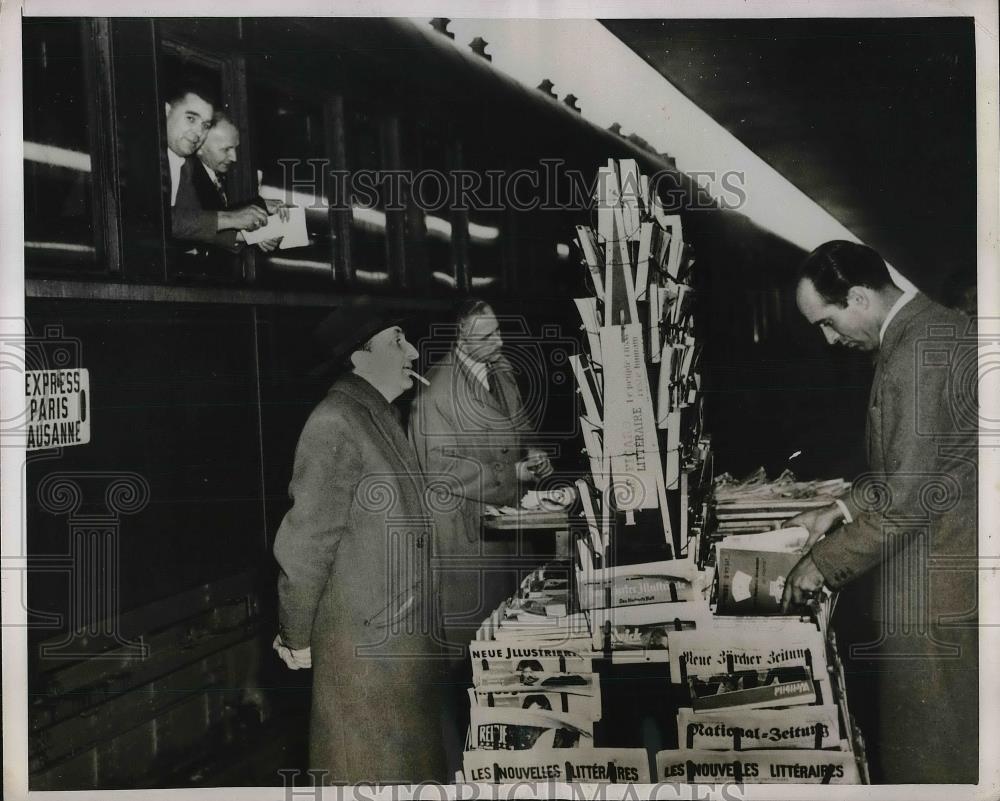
355 591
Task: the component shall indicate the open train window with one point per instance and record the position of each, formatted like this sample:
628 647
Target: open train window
191 95
59 203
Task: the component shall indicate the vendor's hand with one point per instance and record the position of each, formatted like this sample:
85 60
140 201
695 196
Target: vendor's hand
277 207
270 244
816 521
804 583
295 658
539 463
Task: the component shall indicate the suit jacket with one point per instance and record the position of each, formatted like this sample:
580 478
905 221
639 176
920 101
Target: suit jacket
922 455
355 585
194 216
468 441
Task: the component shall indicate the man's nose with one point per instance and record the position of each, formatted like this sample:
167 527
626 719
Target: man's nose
411 352
832 337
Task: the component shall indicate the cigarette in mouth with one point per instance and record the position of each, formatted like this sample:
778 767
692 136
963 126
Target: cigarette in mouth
419 378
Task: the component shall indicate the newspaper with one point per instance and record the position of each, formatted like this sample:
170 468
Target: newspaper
578 683
629 585
502 658
801 727
727 645
583 705
645 626
500 729
757 767
752 689
598 765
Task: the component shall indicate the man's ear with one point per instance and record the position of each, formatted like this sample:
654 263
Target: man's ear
166 109
359 358
859 296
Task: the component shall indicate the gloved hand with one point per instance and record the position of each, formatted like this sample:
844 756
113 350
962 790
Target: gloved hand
294 658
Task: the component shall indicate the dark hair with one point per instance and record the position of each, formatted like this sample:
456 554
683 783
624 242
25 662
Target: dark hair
834 267
185 85
529 664
469 308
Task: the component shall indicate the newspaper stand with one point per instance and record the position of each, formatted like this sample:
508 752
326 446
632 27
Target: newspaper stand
647 516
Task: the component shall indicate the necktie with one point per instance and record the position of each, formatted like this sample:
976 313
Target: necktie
221 187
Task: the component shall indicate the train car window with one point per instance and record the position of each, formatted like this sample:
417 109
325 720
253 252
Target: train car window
487 242
291 162
431 194
200 244
59 230
366 162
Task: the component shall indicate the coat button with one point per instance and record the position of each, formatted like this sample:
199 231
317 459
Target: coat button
504 450
498 466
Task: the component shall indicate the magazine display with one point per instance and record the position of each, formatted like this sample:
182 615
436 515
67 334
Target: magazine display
757 699
639 379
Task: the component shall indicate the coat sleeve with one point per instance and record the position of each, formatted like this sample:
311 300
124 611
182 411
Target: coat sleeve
324 479
191 221
911 462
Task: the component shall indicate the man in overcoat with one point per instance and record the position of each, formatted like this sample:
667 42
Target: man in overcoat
469 429
913 517
355 590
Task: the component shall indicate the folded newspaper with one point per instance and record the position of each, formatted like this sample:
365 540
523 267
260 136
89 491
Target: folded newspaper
584 705
730 644
652 582
800 727
592 765
757 767
500 729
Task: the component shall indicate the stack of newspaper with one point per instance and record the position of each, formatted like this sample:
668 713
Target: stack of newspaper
762 706
536 698
639 380
756 504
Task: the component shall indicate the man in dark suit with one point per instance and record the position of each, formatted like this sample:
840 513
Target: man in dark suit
202 210
468 428
917 507
190 111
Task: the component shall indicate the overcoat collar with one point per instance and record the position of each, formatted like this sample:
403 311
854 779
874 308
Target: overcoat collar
384 417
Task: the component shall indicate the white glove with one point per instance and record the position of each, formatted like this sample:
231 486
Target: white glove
294 658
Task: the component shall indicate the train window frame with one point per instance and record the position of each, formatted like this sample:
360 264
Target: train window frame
231 69
105 217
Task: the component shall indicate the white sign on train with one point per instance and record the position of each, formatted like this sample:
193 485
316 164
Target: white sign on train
58 407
